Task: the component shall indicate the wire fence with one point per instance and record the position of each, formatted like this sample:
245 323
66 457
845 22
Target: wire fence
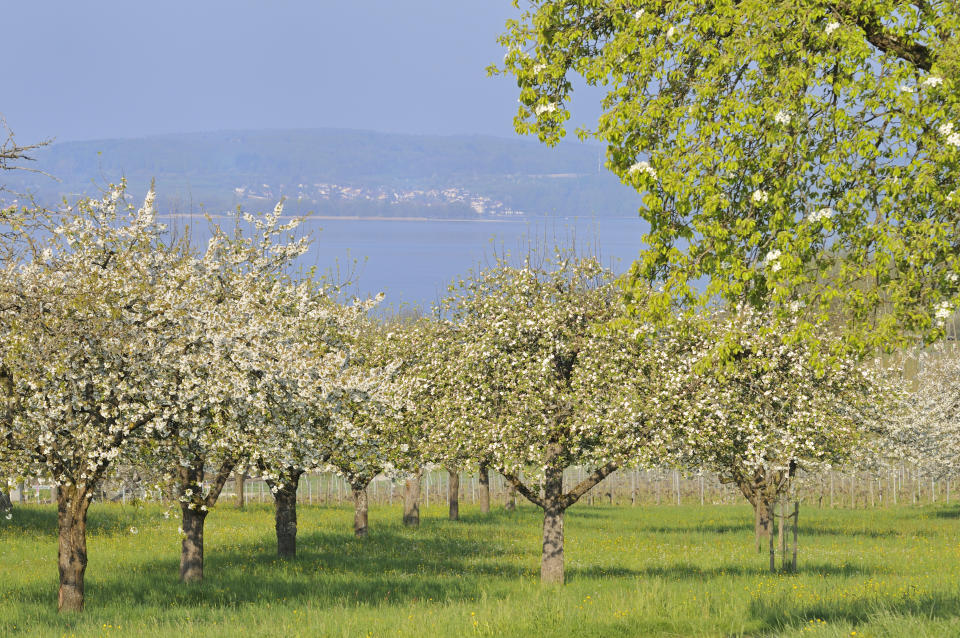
900 486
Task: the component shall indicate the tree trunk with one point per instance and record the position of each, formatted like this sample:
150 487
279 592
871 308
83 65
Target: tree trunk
773 552
411 500
511 503
551 562
484 488
781 532
72 504
191 548
764 523
193 508
285 515
240 480
5 502
360 509
796 525
453 494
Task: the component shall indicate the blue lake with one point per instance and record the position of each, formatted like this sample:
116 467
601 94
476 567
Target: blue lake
413 261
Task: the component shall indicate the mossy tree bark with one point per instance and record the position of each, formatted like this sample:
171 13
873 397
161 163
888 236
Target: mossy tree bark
194 506
554 502
191 546
551 561
360 507
411 500
72 505
285 511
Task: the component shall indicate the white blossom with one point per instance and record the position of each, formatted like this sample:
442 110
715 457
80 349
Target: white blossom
772 260
821 215
943 310
541 109
643 167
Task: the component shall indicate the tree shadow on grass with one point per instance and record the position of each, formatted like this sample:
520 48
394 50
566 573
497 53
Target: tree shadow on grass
823 530
807 530
687 571
779 614
387 567
707 528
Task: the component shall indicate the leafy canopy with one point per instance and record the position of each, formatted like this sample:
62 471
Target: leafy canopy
791 153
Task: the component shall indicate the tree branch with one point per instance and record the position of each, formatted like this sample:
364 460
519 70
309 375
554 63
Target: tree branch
523 489
216 485
588 483
878 36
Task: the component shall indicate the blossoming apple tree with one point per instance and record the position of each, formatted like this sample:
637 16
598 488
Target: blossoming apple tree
757 408
82 324
528 385
329 412
925 429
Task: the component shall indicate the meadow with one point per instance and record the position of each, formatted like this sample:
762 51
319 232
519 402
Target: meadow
632 571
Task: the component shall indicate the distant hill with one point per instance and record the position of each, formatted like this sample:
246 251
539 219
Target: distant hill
341 172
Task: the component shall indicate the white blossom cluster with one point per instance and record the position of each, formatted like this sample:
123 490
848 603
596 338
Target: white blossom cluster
643 167
118 345
951 136
531 383
821 215
757 408
925 431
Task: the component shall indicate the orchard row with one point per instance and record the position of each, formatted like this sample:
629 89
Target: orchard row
124 349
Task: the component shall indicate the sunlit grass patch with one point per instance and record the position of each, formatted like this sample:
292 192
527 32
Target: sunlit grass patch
631 571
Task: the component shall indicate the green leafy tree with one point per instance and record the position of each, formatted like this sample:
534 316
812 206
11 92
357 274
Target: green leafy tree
798 153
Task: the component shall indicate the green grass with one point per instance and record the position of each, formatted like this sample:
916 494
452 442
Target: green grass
651 571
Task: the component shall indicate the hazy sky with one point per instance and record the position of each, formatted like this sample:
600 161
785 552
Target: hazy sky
122 68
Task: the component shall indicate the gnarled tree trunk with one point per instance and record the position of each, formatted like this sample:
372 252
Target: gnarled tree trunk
191 547
360 508
285 513
453 494
484 488
763 522
72 504
411 500
555 503
194 507
551 562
